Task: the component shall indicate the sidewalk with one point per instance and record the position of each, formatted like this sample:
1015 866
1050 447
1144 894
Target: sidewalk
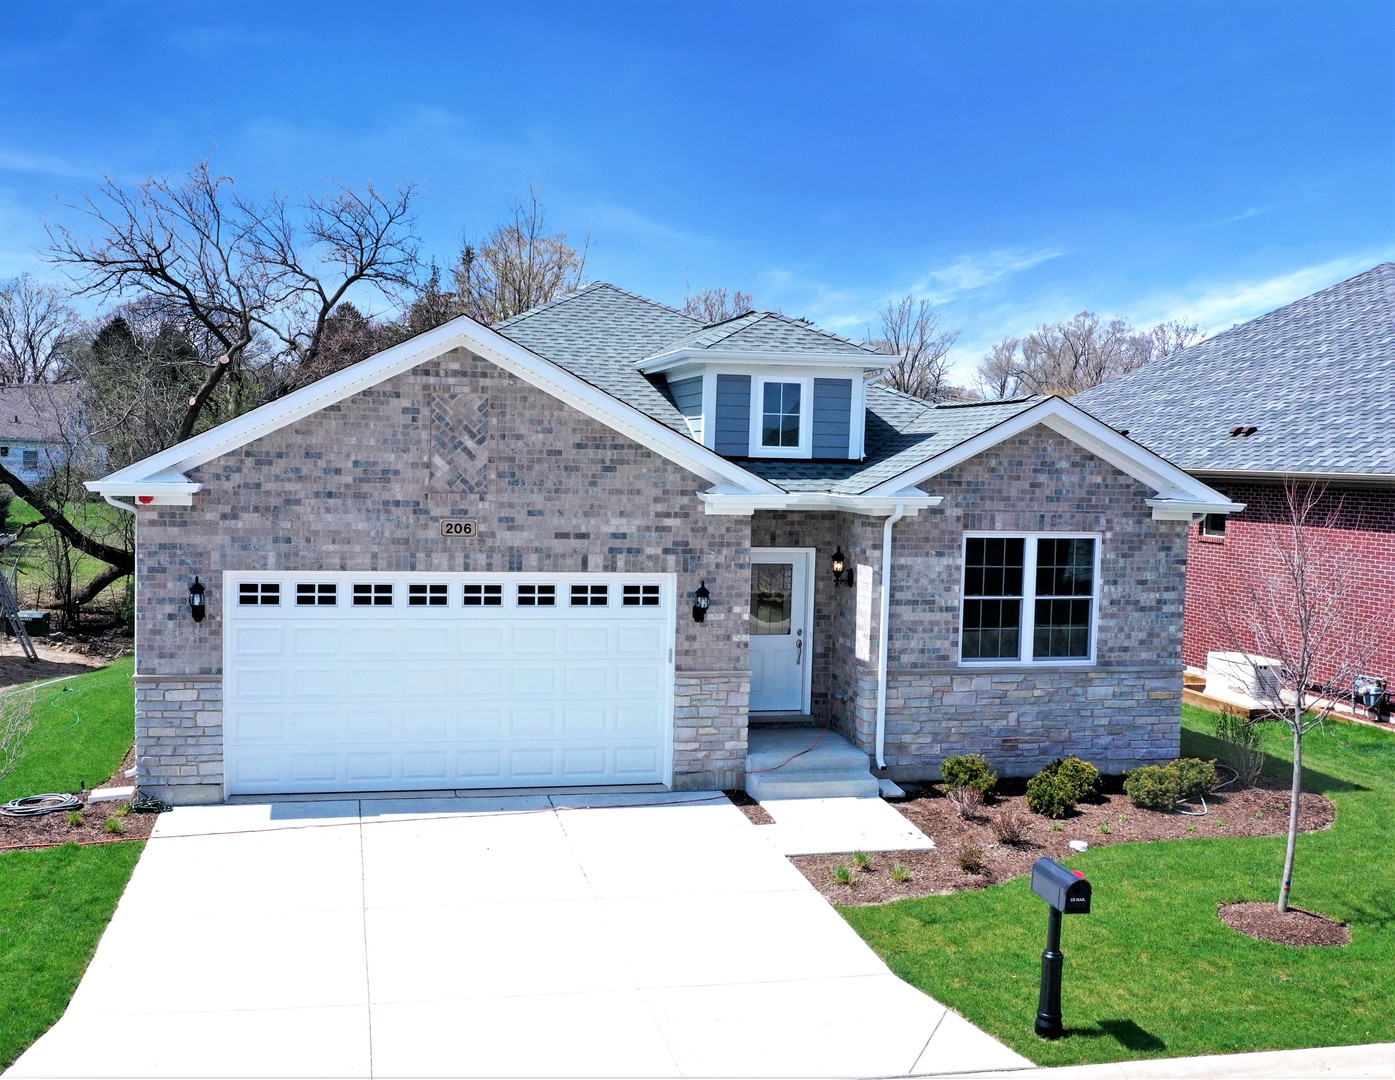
1376 1060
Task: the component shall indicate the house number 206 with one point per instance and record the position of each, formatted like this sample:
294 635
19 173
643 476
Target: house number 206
458 527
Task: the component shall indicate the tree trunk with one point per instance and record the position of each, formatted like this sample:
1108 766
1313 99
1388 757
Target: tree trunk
1295 792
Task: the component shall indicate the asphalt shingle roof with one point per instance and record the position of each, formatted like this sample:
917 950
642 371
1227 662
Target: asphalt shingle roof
600 332
1312 378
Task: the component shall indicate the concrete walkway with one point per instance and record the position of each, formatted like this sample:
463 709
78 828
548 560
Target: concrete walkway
536 936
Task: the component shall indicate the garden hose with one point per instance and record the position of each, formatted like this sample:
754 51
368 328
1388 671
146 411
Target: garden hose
1204 808
34 805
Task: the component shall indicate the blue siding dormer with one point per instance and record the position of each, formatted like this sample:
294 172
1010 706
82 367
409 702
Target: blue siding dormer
732 434
832 418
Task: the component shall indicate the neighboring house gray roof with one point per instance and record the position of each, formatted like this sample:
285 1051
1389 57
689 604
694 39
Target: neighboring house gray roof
600 332
1313 378
39 412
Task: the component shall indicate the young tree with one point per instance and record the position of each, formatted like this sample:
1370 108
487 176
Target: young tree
256 279
1299 608
518 266
910 330
16 722
717 305
1075 354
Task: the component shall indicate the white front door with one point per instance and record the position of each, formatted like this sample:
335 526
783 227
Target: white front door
781 603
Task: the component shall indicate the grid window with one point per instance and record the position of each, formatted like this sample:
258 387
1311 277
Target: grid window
254 593
316 594
484 595
427 595
537 596
1213 524
590 595
1028 598
373 594
779 417
640 596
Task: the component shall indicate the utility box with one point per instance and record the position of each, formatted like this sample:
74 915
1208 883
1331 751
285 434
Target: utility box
1066 890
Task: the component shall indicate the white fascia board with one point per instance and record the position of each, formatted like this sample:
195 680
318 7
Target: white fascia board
1356 479
1187 509
678 358
462 332
1085 431
743 505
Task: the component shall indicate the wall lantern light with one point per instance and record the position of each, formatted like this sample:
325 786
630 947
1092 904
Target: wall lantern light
196 608
842 572
701 599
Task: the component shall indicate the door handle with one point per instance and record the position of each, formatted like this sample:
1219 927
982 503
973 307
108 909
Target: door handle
798 652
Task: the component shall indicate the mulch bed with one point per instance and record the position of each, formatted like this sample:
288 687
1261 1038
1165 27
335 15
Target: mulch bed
754 811
49 830
1262 920
1261 810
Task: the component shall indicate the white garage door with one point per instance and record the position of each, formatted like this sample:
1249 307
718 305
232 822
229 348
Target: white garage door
384 682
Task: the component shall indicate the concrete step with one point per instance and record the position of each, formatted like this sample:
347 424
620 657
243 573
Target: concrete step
805 763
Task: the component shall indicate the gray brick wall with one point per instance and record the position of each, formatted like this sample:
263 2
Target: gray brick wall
363 485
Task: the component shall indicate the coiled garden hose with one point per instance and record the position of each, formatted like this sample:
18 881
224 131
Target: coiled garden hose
34 805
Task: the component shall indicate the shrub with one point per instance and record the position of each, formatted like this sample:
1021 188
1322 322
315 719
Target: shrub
969 770
1010 827
1194 776
862 860
967 801
1049 795
970 859
75 818
900 874
1083 778
1242 752
114 825
1153 787
842 874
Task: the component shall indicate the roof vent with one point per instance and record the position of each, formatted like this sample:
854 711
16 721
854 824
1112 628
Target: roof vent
1242 431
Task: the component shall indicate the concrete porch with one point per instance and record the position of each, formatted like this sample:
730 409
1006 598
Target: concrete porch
805 762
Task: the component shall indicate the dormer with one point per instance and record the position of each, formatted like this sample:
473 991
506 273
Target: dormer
762 385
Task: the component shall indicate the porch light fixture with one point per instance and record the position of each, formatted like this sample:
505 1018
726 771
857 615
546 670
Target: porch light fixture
842 572
196 608
701 599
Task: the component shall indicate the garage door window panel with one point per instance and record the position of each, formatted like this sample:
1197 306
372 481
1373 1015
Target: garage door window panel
259 594
316 594
537 596
483 595
373 594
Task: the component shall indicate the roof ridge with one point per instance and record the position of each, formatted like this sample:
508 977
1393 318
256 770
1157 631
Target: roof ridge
807 325
991 401
593 286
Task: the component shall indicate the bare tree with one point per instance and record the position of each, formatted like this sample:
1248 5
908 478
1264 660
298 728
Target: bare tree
1299 609
717 305
518 266
910 329
256 279
16 722
35 324
1075 354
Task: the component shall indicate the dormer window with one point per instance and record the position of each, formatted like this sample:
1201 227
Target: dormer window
779 422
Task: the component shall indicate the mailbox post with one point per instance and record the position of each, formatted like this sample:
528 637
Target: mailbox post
1067 893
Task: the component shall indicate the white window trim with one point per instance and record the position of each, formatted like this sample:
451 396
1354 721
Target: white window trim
806 417
1029 595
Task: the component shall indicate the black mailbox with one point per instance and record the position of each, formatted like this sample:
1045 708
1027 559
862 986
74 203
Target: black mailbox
1064 889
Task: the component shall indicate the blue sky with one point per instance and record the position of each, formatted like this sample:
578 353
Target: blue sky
1013 162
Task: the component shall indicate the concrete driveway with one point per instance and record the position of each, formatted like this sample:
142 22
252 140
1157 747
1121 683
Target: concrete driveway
530 936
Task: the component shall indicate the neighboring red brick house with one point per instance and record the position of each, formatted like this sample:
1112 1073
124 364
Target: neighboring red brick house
1301 394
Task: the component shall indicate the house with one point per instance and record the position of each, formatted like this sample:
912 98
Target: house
40 424
595 545
1301 393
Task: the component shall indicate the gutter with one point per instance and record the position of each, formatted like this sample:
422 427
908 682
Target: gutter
896 516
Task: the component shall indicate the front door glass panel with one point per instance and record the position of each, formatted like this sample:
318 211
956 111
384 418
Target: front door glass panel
772 597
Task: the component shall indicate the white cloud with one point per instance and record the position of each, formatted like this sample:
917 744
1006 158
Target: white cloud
42 165
1244 215
979 270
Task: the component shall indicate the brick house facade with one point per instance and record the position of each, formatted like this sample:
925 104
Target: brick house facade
356 483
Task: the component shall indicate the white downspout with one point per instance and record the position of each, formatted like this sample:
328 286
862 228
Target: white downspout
885 625
116 502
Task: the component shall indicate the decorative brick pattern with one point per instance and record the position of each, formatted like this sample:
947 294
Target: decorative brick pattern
179 738
459 444
1220 570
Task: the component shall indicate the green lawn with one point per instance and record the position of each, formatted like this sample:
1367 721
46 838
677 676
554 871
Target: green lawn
1153 972
84 728
35 588
55 904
